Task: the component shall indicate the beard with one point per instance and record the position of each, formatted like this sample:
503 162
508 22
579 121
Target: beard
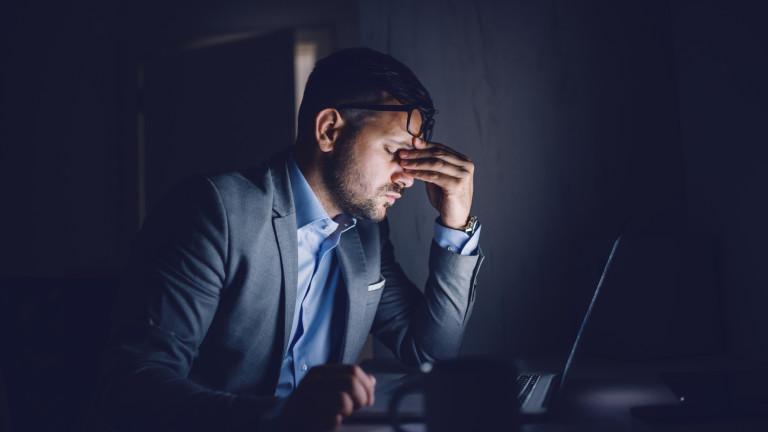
347 186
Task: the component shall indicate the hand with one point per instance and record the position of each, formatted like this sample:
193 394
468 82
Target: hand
449 179
326 395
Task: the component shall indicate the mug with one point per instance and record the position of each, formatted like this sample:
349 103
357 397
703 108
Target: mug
463 394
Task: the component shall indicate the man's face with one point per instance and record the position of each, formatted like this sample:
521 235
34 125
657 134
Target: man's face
362 173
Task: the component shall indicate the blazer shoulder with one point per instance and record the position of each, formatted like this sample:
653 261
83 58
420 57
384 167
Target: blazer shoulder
246 182
266 184
247 191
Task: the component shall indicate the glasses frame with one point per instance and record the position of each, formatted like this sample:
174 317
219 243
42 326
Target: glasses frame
427 117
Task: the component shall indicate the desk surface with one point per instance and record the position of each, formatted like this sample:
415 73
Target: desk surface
601 393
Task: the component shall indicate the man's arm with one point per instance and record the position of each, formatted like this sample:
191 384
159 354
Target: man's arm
425 327
166 304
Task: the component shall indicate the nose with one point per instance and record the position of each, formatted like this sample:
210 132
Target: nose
402 179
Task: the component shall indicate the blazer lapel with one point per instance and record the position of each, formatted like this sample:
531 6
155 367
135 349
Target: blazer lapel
284 224
352 260
285 231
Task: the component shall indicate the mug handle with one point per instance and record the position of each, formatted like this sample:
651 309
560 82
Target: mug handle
397 396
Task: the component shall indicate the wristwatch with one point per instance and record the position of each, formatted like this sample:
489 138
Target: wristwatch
471 225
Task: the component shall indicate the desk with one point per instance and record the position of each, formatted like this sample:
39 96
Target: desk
599 395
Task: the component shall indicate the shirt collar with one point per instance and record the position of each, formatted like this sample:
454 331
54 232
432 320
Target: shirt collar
308 207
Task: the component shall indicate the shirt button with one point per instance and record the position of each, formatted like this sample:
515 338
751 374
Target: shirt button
304 367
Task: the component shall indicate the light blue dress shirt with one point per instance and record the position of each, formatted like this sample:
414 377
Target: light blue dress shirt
313 329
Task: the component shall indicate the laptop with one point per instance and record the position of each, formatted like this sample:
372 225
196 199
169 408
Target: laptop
536 390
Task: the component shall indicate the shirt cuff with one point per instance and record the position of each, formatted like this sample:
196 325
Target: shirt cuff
457 241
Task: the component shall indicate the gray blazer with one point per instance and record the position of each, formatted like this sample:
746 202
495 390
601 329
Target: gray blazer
204 314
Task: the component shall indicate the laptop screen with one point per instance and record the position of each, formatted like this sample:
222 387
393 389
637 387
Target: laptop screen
589 311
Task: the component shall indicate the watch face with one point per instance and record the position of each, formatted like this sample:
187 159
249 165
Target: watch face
471 224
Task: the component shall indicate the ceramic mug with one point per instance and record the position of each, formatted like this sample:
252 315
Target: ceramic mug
464 394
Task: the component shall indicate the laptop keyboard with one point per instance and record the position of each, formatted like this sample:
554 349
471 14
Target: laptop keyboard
525 383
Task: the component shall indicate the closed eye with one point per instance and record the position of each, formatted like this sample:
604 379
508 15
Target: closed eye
394 146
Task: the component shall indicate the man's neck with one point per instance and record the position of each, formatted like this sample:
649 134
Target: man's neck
310 169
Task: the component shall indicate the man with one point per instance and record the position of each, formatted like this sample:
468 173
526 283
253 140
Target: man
251 294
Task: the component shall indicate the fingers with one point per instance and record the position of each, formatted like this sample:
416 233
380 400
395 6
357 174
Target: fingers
329 393
346 378
436 150
367 381
436 164
439 159
345 405
354 391
444 181
358 385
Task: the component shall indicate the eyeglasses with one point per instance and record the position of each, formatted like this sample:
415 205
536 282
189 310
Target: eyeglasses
416 117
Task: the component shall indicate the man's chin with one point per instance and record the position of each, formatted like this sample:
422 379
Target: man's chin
373 211
380 214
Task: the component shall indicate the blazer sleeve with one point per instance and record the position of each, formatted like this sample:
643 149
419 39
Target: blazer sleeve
163 310
425 327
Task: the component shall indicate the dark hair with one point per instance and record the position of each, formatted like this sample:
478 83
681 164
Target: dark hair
357 75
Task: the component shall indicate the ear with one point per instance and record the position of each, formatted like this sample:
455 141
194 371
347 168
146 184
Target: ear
328 126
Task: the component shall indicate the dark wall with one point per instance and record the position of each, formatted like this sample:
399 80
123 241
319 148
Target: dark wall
60 167
721 59
583 117
70 160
